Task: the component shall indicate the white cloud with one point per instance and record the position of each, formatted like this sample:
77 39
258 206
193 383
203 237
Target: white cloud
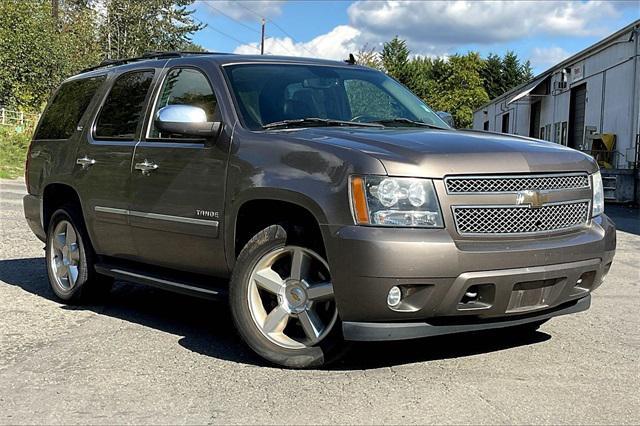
437 28
245 10
336 44
545 57
433 24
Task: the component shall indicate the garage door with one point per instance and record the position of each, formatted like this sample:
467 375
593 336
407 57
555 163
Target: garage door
576 116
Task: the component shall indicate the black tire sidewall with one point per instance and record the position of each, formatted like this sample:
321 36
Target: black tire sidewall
324 352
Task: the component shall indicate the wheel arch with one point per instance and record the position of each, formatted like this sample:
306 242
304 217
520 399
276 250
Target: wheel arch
261 207
55 195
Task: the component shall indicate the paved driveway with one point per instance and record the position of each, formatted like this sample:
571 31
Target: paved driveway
146 356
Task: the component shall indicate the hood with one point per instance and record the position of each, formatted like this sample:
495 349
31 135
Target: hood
437 153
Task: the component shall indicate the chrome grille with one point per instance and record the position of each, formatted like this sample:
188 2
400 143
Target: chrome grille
495 184
472 220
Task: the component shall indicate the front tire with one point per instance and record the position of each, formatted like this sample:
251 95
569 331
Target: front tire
70 259
282 302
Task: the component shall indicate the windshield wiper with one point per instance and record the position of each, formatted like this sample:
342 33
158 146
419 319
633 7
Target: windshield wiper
403 120
317 122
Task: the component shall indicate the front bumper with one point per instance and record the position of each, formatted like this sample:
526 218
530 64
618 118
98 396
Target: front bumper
373 331
437 271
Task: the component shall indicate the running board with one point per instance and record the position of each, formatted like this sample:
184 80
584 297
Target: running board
140 277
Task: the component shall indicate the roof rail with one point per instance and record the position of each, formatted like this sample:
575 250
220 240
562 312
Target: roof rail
147 56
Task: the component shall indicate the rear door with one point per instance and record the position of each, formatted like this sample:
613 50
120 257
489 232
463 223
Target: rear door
103 170
177 205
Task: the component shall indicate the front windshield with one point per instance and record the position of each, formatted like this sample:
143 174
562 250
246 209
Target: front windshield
271 93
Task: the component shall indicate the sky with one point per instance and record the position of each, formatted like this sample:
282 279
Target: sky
544 32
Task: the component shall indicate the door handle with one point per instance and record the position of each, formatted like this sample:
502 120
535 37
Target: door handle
85 162
146 167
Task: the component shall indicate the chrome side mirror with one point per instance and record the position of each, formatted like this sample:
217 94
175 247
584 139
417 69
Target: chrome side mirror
186 120
447 118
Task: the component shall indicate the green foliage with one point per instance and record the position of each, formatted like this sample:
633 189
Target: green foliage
31 66
38 51
368 57
458 84
513 73
458 89
395 59
13 152
132 28
491 73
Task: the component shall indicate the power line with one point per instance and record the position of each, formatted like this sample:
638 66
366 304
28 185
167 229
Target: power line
291 37
239 3
225 34
244 25
232 18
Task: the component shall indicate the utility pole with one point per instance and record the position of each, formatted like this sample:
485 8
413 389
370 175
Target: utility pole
262 38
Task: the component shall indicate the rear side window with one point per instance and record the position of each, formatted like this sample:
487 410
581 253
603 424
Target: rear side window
65 110
124 106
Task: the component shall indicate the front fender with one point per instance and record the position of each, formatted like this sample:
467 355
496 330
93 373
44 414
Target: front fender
311 174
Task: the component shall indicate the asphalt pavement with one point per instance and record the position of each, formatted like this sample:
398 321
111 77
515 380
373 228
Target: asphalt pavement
146 356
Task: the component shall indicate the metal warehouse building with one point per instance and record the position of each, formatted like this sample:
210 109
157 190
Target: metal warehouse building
590 102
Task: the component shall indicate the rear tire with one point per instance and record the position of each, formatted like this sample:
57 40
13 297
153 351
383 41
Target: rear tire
70 259
285 313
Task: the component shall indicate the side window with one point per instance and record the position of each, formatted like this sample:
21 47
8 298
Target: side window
67 107
368 100
124 106
185 86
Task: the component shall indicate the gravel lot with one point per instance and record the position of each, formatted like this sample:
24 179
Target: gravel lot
146 356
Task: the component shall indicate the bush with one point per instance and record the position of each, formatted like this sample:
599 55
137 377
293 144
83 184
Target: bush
13 151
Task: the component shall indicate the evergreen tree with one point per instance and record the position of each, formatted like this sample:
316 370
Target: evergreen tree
526 72
395 59
511 71
491 73
419 71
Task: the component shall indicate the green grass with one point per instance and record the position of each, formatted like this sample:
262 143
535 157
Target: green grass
13 152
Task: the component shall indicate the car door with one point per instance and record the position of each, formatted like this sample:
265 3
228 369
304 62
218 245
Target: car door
103 170
178 183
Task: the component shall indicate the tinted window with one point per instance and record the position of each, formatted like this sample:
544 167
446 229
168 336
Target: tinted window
185 86
124 106
61 119
268 93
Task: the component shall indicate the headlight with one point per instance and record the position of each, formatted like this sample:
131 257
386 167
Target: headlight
389 201
598 194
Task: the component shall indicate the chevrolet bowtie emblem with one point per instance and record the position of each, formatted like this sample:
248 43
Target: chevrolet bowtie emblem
534 199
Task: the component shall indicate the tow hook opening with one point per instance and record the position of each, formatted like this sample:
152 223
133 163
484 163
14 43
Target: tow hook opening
477 296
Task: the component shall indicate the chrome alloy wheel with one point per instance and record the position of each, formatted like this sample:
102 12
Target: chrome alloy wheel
64 256
290 297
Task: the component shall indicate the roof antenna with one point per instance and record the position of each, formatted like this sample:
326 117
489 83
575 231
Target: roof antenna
351 60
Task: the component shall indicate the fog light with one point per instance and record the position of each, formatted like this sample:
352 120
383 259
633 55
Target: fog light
394 297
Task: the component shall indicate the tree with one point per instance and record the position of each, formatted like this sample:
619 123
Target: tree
526 72
458 87
395 58
419 72
368 57
131 28
29 54
39 47
491 73
511 71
